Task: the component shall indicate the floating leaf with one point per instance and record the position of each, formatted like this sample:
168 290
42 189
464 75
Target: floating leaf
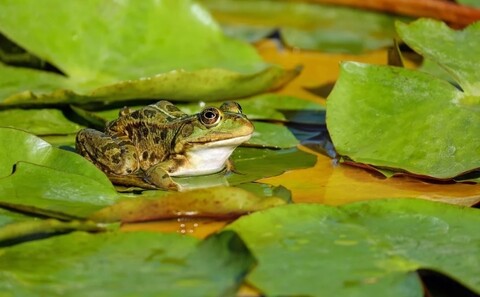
361 249
307 25
273 136
44 174
109 52
252 164
407 120
455 51
473 3
217 202
81 264
38 121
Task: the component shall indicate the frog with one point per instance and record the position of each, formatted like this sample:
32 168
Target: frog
151 146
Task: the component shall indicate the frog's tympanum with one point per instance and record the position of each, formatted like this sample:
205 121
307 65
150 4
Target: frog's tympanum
147 147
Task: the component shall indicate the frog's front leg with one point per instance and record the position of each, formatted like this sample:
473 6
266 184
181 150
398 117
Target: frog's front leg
112 154
159 175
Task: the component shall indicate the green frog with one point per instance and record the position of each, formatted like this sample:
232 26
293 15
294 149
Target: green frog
149 146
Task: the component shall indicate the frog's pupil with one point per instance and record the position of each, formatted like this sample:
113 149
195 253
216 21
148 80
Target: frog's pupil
209 115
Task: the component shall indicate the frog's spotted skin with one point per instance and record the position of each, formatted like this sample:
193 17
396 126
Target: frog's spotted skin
147 146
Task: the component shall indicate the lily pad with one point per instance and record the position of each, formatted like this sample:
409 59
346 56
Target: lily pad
306 25
252 163
362 249
217 202
473 3
455 51
34 174
82 264
38 121
272 136
407 120
109 52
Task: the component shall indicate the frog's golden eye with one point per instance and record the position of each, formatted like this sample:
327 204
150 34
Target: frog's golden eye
231 107
210 116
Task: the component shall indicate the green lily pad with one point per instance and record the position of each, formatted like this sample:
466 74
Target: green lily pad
34 176
125 264
38 121
217 202
306 25
362 249
455 51
272 136
410 121
109 52
473 3
56 193
252 163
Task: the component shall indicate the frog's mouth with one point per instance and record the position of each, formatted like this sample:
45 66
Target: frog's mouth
231 142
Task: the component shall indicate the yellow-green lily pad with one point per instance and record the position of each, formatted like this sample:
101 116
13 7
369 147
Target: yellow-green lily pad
409 121
362 249
217 202
112 51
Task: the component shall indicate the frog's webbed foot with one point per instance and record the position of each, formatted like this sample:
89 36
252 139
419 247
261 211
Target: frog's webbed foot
158 176
112 154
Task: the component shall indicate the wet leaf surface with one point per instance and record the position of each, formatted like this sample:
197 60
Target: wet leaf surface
362 249
82 264
406 120
216 202
305 25
83 48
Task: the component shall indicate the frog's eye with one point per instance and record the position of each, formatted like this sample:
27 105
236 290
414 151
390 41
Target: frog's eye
210 116
231 107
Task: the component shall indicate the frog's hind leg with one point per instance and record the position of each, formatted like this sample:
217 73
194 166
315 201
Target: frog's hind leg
112 154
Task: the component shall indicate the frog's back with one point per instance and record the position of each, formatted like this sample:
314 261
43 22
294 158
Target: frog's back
151 129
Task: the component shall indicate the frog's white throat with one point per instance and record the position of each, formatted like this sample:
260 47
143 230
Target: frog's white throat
210 157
